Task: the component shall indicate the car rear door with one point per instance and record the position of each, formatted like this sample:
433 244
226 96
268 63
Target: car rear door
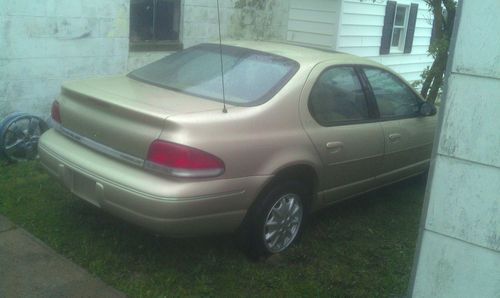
408 136
342 126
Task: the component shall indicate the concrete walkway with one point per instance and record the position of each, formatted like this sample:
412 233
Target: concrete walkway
28 268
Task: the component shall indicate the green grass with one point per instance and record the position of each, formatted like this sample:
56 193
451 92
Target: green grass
363 247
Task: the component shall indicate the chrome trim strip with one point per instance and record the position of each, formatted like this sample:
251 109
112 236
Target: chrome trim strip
181 172
137 192
99 147
135 160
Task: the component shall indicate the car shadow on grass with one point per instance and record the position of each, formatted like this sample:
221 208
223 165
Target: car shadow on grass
380 207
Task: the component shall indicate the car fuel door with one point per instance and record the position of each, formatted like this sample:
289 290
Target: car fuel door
338 119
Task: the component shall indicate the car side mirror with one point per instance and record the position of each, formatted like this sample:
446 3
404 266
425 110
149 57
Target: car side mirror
427 109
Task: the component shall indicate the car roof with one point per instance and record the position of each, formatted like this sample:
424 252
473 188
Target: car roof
302 54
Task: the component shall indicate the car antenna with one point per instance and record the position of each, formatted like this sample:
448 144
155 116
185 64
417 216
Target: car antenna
224 110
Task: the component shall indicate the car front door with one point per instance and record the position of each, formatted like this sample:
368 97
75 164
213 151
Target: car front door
408 135
341 124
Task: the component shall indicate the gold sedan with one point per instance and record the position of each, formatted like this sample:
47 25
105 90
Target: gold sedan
183 148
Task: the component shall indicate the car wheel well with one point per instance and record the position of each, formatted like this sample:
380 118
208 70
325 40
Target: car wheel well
301 173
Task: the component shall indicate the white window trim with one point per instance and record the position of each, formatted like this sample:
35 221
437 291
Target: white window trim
402 39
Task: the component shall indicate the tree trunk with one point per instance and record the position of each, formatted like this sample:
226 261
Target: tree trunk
433 93
428 80
443 27
437 13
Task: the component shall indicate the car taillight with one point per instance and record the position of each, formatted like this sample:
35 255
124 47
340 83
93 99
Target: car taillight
182 161
55 112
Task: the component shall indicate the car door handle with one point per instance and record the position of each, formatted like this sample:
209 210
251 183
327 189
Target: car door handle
394 137
334 146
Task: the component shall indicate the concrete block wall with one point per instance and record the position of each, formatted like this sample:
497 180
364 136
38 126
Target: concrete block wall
460 241
137 59
240 19
200 22
44 43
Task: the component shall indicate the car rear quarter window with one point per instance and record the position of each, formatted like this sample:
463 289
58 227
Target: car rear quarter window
394 99
337 97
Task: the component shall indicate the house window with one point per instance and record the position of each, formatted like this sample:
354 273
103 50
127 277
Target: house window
154 24
399 28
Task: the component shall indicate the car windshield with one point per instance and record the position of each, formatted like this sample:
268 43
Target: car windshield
250 77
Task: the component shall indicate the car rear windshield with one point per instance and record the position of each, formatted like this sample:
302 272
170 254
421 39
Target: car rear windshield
250 77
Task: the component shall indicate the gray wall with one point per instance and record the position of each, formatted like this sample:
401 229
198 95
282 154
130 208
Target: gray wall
240 19
459 251
46 42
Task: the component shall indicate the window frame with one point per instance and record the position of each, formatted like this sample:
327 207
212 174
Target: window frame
371 106
406 43
404 27
369 88
157 45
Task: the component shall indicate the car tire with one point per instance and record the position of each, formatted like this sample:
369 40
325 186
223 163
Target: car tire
276 220
27 140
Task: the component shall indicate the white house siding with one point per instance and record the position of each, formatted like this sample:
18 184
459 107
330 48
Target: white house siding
360 33
43 43
313 22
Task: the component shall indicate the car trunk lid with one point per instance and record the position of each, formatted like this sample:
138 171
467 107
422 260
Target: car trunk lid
124 114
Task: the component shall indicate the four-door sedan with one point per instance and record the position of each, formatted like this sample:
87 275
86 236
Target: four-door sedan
304 128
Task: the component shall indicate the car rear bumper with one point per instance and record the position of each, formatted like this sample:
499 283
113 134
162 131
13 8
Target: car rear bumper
170 206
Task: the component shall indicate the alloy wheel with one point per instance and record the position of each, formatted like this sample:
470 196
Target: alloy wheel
283 222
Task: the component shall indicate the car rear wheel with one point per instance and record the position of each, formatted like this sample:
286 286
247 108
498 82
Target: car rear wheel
275 222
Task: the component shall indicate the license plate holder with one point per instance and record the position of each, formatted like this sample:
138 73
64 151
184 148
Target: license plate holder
85 188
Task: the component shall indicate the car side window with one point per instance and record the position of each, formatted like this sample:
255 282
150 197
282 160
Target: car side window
394 99
337 96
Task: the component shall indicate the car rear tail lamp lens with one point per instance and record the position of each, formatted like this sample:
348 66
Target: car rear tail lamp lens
182 161
55 112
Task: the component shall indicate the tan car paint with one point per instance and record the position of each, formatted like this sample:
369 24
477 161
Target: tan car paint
360 157
351 154
123 113
167 205
255 143
408 146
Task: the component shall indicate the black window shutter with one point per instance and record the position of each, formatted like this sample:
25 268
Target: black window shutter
385 42
410 32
